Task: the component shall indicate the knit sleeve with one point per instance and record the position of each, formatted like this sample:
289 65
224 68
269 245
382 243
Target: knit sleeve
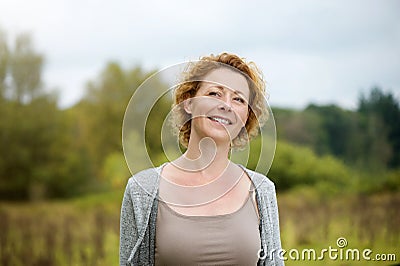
128 230
275 228
271 242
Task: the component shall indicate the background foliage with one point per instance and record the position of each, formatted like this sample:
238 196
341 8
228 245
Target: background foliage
324 153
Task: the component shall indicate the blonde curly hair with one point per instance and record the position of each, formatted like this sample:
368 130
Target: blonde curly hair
191 80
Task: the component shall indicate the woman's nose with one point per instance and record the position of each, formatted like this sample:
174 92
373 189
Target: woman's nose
225 105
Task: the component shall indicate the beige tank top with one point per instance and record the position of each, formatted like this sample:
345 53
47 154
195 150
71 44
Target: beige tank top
228 239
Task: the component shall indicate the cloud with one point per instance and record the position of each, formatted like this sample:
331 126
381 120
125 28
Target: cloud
320 51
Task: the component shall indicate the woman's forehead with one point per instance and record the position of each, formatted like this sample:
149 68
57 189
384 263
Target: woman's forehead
227 78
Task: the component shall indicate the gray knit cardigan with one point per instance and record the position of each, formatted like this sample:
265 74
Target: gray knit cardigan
139 214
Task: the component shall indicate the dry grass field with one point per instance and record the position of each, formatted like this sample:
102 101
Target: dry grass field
85 231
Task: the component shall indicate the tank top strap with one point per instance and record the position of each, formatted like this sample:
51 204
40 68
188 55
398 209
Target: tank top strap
253 197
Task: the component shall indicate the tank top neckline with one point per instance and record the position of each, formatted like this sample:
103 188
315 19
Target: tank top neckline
208 217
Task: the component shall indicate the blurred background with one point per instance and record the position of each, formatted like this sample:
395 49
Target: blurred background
69 68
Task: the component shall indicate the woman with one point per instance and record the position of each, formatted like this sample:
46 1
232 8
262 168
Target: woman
203 209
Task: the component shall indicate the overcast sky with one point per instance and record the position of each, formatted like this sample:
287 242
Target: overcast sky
310 51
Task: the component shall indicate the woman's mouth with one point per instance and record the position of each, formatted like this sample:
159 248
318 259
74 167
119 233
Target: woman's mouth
221 120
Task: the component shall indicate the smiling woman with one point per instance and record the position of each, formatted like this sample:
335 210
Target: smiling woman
219 109
215 212
203 73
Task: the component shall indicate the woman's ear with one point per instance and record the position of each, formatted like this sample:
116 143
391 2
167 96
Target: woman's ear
187 105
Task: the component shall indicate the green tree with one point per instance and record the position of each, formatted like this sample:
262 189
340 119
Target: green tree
102 110
4 57
25 67
21 136
296 165
301 127
339 128
381 119
37 155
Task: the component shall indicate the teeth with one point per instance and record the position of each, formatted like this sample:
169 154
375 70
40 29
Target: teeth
221 120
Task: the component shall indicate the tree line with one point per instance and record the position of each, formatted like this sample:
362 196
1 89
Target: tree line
48 152
367 138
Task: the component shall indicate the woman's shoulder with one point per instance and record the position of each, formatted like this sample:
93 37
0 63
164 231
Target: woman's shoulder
145 180
260 181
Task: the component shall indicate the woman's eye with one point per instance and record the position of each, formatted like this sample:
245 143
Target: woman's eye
238 99
214 93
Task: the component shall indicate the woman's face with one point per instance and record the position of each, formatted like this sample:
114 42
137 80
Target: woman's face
220 107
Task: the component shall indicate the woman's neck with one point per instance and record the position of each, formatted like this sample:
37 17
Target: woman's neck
206 158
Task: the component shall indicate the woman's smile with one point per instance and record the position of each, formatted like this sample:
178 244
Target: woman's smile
220 120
